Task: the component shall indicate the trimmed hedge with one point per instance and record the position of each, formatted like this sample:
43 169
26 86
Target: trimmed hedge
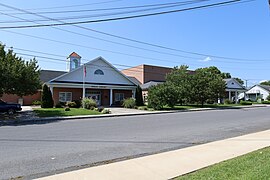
266 102
245 103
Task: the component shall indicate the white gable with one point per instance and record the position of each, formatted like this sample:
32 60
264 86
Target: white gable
233 84
258 90
110 74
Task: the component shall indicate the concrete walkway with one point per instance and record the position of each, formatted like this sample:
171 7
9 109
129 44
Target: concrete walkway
173 163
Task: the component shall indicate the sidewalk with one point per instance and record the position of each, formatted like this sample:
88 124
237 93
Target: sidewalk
173 163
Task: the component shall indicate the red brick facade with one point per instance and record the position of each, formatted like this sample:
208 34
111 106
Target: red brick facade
145 73
27 100
77 94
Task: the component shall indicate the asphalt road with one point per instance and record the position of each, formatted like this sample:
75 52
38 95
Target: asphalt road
42 149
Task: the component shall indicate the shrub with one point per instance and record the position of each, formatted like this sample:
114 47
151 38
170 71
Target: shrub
89 103
245 103
266 102
268 98
46 97
67 109
138 96
100 109
71 104
59 105
106 111
129 103
78 103
227 101
155 97
36 103
95 109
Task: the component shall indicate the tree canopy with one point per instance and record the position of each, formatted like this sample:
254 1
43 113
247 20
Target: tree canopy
184 86
17 76
265 83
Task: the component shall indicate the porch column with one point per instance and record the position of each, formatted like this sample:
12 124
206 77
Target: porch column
236 97
111 97
133 93
51 89
230 96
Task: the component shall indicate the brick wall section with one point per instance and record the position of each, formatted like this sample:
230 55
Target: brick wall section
27 100
76 93
136 72
127 93
145 73
155 73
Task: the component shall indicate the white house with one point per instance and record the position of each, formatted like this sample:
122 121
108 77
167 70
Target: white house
97 79
233 89
258 91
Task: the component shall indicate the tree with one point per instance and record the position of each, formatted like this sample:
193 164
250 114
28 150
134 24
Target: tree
240 81
179 80
207 85
138 96
16 75
46 97
267 83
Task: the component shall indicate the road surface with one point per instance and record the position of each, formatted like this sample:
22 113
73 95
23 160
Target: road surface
43 149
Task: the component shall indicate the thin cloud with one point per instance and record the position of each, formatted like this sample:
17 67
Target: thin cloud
206 59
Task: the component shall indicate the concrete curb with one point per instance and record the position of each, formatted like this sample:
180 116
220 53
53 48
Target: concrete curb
55 119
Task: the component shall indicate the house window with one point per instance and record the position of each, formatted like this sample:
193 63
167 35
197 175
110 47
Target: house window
119 97
99 72
65 96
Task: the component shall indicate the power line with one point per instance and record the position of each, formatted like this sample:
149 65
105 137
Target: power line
120 18
114 8
100 15
75 5
146 43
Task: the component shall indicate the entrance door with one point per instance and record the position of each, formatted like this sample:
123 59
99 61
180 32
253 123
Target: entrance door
95 95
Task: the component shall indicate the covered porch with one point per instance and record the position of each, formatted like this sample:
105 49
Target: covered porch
109 95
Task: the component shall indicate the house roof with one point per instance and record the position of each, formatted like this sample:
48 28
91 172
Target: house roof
58 79
267 88
147 85
74 54
47 75
134 80
240 86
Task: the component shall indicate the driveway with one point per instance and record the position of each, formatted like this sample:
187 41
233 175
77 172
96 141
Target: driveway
26 113
43 149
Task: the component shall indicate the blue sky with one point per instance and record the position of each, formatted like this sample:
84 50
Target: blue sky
240 31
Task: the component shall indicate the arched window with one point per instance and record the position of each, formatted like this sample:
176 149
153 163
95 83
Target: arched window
99 72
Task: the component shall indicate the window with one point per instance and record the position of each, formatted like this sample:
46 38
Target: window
119 97
65 96
99 72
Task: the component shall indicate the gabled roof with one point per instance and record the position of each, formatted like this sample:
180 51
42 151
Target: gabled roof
134 80
89 63
267 88
47 75
74 54
240 86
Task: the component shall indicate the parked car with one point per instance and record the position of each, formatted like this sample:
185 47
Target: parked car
10 108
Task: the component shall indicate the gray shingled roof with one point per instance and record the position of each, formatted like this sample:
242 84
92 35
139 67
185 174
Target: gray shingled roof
47 75
267 88
147 85
134 80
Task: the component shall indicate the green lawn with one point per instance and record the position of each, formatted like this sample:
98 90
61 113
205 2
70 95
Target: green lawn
255 165
51 112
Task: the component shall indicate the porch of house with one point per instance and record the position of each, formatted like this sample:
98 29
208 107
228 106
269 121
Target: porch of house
103 96
233 94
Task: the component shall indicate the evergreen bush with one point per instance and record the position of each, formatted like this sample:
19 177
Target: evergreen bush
46 97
